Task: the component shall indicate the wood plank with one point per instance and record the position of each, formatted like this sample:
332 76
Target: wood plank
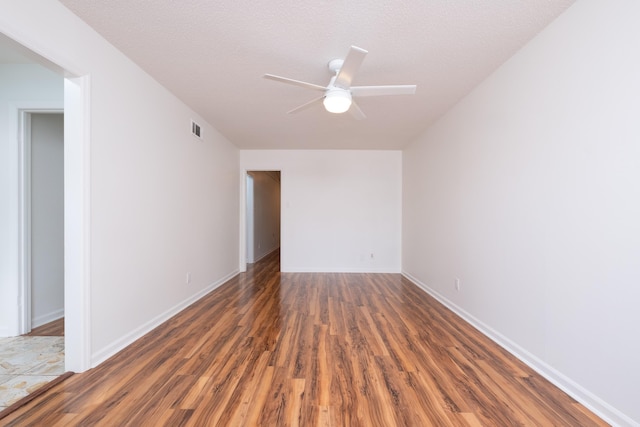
51 329
298 349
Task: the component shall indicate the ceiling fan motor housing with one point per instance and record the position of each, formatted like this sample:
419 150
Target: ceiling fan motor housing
335 65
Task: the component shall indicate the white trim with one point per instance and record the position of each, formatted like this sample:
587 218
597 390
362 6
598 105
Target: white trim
380 270
24 222
242 256
595 404
23 115
249 201
111 349
77 194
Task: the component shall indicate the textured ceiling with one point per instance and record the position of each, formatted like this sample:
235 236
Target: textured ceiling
212 55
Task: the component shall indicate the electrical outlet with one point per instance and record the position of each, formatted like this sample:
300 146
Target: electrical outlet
188 278
457 284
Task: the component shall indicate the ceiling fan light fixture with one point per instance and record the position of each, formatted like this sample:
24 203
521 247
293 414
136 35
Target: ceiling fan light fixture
337 94
337 101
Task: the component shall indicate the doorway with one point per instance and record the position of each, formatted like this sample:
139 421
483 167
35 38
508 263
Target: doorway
76 104
44 196
36 357
263 216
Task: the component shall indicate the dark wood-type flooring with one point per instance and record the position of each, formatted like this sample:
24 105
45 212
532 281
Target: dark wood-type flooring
51 329
288 349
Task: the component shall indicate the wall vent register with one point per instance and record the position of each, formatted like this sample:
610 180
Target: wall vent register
196 130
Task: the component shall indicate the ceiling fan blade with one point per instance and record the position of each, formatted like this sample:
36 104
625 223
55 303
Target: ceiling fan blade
294 82
349 67
356 112
306 105
383 90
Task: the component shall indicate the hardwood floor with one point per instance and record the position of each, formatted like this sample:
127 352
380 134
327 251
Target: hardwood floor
51 329
309 349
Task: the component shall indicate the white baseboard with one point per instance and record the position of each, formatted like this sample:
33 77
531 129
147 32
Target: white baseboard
598 406
4 332
382 270
108 351
46 318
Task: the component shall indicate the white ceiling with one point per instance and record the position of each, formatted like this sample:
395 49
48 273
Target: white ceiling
212 55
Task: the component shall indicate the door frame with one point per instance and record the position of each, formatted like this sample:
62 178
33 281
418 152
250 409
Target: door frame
77 223
249 211
77 191
244 173
24 208
77 210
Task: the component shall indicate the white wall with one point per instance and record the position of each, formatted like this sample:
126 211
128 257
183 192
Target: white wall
265 215
21 86
47 218
529 192
338 208
162 202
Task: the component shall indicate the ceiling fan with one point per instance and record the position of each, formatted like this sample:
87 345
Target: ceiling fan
338 95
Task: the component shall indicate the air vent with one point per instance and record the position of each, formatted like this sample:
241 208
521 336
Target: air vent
196 130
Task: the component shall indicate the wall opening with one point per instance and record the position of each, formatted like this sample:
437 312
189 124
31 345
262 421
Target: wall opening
43 175
263 215
76 206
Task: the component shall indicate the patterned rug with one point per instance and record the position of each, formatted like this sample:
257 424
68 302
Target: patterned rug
28 363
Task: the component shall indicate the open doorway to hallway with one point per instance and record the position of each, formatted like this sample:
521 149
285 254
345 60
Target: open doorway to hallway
32 291
263 216
44 217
